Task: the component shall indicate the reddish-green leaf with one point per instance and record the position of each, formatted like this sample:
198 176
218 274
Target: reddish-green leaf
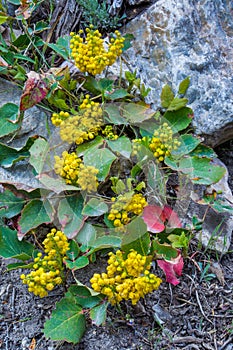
35 90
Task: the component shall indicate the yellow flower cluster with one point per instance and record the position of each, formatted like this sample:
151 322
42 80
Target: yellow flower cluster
71 168
90 55
125 207
68 167
163 142
87 179
48 270
84 126
109 133
126 278
58 118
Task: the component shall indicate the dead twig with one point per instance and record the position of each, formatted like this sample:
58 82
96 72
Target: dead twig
201 309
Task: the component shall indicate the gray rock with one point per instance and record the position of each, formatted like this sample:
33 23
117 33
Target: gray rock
34 123
175 39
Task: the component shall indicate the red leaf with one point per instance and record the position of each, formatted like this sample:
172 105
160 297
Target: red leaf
156 217
172 268
35 90
152 217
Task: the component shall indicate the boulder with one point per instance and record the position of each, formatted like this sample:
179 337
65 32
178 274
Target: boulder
175 39
35 123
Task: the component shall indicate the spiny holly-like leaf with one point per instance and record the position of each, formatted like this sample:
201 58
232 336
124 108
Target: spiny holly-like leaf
172 268
106 242
184 86
87 146
67 322
95 207
55 185
39 154
9 155
70 214
114 115
10 205
166 96
8 122
199 170
86 235
116 94
11 247
163 250
203 151
141 245
101 159
188 144
98 314
35 90
134 231
83 296
155 218
136 113
179 120
177 103
122 146
35 213
78 263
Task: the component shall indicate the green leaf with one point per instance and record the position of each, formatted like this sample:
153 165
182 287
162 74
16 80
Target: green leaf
106 242
19 265
9 155
117 94
70 214
179 120
122 145
141 245
188 144
3 19
92 85
86 235
8 121
39 154
35 213
83 296
101 159
177 103
166 96
156 182
73 251
10 205
98 314
134 231
114 115
61 104
87 146
164 250
95 207
11 247
136 113
105 84
67 322
41 26
184 86
199 170
179 241
24 58
62 47
55 185
15 2
79 263
203 151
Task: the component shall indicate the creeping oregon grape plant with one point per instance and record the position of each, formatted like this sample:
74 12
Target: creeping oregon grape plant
102 179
